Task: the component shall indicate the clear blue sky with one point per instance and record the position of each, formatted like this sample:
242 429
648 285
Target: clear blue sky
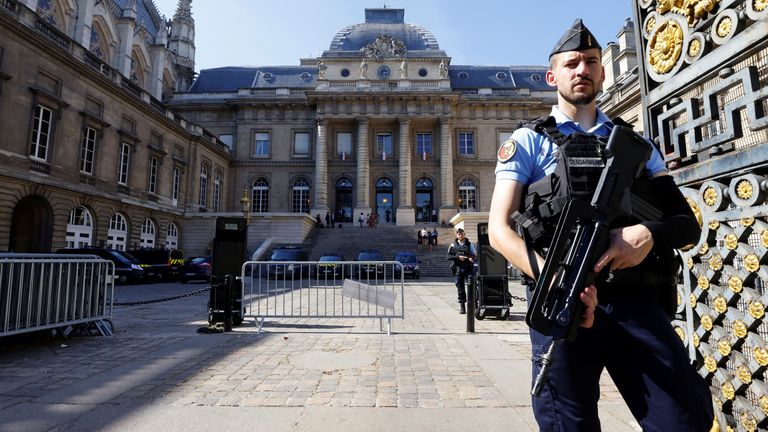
472 32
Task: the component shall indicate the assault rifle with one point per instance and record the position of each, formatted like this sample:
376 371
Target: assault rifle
581 237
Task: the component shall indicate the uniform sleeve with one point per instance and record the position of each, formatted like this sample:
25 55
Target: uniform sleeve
656 163
521 165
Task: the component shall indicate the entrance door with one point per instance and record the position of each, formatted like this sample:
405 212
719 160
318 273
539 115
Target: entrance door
384 196
424 204
344 201
31 226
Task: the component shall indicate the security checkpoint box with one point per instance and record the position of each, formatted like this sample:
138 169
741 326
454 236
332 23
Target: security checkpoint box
493 296
229 247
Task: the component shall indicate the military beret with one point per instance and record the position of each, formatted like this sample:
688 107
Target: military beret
576 38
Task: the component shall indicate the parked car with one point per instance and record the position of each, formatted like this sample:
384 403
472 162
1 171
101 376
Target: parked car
164 263
196 268
410 265
293 270
370 270
331 270
127 268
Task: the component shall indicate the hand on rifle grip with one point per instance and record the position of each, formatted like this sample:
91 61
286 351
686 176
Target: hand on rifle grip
589 298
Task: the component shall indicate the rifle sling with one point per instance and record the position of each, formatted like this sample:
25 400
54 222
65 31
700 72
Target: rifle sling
523 223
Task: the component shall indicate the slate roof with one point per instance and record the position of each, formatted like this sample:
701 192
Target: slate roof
147 15
465 77
230 79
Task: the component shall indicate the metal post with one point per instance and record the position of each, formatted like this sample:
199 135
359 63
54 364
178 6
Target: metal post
470 303
227 303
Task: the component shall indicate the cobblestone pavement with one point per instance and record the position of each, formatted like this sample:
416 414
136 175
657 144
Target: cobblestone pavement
296 375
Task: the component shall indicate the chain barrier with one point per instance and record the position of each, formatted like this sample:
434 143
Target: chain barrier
189 294
520 299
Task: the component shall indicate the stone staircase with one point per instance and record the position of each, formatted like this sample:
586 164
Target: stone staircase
388 239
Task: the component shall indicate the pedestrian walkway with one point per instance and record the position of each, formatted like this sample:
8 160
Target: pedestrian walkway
158 373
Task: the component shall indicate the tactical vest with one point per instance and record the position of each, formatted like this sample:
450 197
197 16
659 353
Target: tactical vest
580 161
462 249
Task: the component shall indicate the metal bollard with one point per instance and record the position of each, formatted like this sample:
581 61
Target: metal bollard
228 303
471 304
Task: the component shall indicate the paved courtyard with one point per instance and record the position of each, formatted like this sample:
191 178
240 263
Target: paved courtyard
158 373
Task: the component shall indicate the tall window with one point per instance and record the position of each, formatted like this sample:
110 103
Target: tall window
301 144
124 165
466 143
176 185
228 140
79 228
172 236
261 144
152 183
216 191
423 144
503 137
384 143
41 131
87 149
117 235
344 144
260 196
468 195
147 239
203 199
300 196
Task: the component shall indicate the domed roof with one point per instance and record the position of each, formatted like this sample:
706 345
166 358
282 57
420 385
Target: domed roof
388 24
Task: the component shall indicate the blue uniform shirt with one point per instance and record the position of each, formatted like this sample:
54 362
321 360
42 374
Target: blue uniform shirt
535 155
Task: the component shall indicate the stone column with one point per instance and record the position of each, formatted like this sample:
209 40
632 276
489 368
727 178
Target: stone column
405 211
363 193
320 205
448 201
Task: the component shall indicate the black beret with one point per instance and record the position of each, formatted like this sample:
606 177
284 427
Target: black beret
576 38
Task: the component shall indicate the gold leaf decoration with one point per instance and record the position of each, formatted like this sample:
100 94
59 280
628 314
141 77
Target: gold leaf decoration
728 391
761 356
739 329
744 374
693 301
749 422
705 248
747 221
696 340
703 282
710 363
650 25
751 262
744 189
680 333
710 196
731 241
735 284
696 211
760 5
724 27
706 322
724 347
689 262
716 262
720 304
764 238
694 48
692 10
756 309
764 404
666 46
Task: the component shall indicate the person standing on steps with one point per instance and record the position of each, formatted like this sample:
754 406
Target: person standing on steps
462 254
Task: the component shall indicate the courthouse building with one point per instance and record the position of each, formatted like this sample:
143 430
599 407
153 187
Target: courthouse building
109 139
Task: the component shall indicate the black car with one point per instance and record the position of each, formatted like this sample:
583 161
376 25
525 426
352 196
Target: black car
370 270
164 263
196 268
127 268
291 270
330 270
410 265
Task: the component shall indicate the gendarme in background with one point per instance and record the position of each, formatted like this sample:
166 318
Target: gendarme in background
703 72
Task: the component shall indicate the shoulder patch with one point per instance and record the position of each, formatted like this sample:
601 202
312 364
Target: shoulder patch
507 150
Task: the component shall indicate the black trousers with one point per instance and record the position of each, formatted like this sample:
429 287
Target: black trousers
634 341
462 272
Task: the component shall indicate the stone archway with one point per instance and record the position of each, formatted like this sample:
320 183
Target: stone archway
31 226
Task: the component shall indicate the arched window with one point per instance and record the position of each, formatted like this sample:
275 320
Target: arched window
467 195
117 236
137 70
203 199
260 196
79 228
424 184
147 239
98 45
344 184
384 184
50 12
216 191
172 236
300 201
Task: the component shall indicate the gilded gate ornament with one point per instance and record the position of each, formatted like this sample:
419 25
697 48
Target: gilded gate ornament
728 391
751 262
731 241
760 5
692 10
744 188
710 196
716 262
744 374
694 48
720 304
764 238
665 47
703 282
761 356
764 404
735 284
724 27
756 309
706 322
739 329
710 363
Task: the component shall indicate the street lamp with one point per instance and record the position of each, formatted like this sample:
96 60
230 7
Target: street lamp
245 203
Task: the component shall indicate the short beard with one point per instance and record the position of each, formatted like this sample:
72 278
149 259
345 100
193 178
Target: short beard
585 99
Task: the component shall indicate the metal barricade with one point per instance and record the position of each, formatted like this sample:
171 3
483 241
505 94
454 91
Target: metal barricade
323 289
48 291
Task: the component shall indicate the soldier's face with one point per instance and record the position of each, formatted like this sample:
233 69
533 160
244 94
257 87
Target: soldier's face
578 75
